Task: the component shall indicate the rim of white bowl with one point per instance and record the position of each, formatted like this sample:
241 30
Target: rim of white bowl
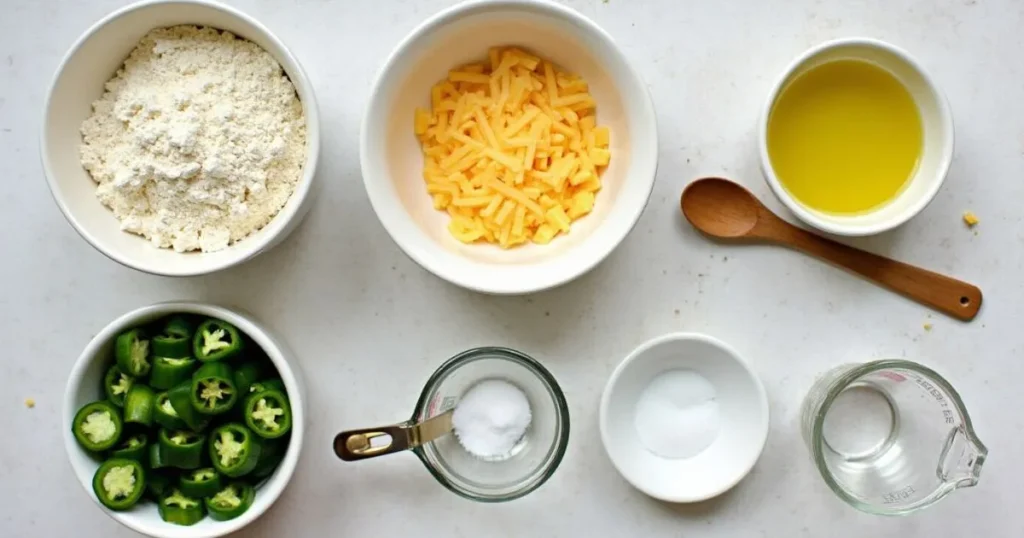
279 355
833 226
248 247
379 188
640 351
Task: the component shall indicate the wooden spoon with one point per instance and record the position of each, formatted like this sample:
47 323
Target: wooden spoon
723 209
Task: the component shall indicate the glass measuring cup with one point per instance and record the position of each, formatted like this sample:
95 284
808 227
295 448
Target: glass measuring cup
890 436
531 462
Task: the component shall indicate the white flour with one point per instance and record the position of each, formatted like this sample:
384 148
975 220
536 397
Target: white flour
198 141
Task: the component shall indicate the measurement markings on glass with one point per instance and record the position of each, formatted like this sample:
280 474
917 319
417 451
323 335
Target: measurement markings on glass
897 496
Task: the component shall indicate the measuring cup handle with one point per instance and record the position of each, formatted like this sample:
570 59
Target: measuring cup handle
356 445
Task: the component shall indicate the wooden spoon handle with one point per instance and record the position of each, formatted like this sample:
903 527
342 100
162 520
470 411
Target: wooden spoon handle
948 295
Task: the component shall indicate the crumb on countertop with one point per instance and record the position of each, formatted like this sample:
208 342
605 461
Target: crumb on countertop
927 326
30 403
970 218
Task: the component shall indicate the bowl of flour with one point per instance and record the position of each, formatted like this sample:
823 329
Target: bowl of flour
180 137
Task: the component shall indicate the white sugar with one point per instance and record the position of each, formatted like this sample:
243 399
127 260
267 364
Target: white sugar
677 415
491 418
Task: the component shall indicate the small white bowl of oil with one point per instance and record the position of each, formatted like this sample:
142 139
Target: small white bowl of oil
855 137
684 418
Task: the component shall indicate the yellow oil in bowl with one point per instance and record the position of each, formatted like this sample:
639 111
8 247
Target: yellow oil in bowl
844 137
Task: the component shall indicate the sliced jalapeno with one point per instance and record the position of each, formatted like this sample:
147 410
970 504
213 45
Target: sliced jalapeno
272 451
139 404
267 384
168 372
247 374
131 349
116 384
165 415
175 507
180 397
97 426
268 414
157 483
231 501
213 389
174 339
119 483
135 447
200 483
156 457
181 448
216 340
234 450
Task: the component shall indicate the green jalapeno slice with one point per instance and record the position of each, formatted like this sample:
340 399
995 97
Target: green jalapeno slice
200 483
97 426
268 414
216 340
180 398
131 350
231 501
213 389
175 338
139 404
116 384
234 450
181 448
168 372
135 447
177 508
119 483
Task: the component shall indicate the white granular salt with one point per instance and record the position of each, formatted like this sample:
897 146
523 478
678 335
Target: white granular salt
198 141
491 418
677 415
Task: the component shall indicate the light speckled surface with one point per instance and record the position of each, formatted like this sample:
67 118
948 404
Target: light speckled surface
370 326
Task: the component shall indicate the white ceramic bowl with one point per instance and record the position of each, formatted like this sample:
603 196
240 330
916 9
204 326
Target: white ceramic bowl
937 121
85 385
742 405
79 80
392 161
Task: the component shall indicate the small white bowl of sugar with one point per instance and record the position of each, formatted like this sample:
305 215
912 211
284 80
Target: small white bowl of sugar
684 418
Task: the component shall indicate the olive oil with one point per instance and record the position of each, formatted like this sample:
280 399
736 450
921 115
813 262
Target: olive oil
844 137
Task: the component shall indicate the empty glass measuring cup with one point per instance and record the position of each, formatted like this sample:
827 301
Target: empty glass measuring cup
891 436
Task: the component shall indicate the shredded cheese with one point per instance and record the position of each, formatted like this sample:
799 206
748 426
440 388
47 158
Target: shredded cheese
512 149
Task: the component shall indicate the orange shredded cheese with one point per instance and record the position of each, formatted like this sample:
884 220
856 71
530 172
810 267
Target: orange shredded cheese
512 149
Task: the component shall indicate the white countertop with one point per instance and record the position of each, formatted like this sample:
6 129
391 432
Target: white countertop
369 325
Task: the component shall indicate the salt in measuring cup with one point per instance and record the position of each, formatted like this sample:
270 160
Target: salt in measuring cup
532 461
891 436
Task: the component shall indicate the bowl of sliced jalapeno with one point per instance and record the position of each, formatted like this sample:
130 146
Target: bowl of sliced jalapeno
184 420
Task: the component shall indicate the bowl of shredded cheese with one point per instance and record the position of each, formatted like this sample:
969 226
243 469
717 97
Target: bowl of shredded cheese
508 146
180 137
